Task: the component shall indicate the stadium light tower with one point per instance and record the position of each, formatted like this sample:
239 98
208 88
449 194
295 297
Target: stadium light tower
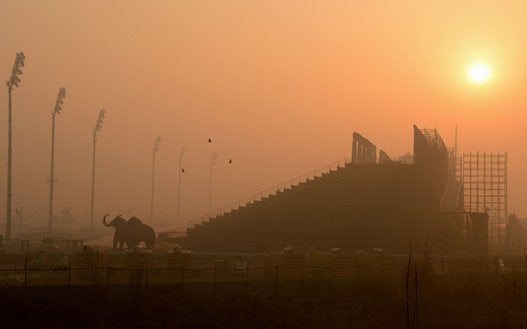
58 107
96 131
11 84
179 185
157 144
213 158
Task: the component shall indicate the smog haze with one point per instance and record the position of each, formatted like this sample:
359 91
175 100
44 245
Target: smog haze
278 86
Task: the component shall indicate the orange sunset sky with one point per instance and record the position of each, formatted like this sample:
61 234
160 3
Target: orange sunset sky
279 85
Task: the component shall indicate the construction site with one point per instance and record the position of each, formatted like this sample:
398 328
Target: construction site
376 239
435 201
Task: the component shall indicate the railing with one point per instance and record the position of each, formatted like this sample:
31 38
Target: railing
71 276
269 191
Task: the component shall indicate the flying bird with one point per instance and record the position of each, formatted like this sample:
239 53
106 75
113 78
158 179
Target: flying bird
182 169
210 140
230 161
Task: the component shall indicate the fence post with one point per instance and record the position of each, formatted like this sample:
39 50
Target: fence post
108 274
276 280
182 280
214 279
303 278
95 275
515 277
247 278
182 276
147 269
407 288
25 274
69 277
330 278
384 270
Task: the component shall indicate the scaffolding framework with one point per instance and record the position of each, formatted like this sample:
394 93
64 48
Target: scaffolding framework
452 199
485 190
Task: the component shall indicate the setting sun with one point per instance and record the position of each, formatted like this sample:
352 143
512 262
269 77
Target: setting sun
479 73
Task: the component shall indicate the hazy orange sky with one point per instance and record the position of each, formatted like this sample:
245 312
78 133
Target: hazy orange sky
279 86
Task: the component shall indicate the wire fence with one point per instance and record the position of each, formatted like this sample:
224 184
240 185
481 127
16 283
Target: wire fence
69 275
294 268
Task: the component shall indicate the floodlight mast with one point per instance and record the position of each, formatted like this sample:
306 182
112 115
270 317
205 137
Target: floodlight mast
96 131
157 144
213 158
58 107
12 83
179 185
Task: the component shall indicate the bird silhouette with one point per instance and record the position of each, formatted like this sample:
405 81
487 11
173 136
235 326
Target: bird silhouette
210 140
182 169
230 161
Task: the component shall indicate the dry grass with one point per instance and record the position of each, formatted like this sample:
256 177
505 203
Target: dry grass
454 301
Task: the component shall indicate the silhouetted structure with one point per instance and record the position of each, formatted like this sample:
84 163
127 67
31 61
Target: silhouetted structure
517 235
365 204
157 145
485 190
96 131
58 107
131 232
180 171
11 84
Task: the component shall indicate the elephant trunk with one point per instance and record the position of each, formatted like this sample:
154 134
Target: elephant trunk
104 220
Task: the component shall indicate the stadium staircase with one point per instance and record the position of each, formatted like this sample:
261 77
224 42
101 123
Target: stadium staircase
275 198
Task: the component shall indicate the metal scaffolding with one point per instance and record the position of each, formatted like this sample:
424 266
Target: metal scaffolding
485 190
452 199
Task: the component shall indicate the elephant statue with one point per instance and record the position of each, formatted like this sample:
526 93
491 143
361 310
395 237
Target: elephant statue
131 232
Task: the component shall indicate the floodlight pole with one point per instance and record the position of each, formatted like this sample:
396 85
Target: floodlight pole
92 202
152 188
157 144
19 212
96 130
11 83
212 163
179 186
210 189
52 175
9 165
56 111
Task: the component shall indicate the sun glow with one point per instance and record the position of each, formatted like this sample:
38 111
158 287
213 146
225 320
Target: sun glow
479 73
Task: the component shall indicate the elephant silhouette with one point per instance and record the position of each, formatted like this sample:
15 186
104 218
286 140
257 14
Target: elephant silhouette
131 232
